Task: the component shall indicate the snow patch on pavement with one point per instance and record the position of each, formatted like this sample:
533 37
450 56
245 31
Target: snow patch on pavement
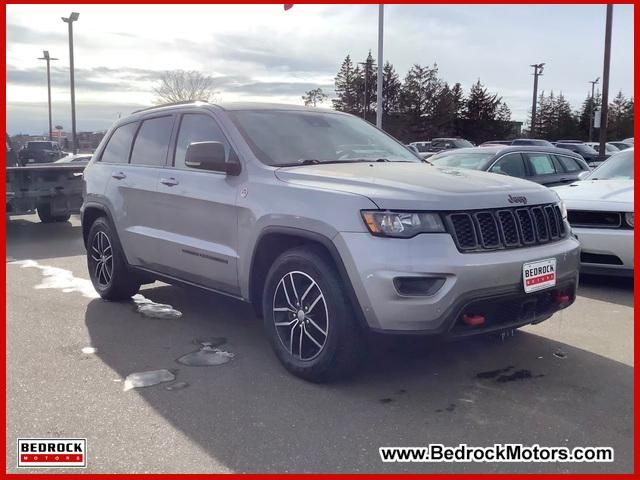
147 379
151 309
59 279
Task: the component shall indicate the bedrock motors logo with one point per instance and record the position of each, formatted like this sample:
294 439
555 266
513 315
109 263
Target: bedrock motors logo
52 452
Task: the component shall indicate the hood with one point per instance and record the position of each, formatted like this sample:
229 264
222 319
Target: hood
419 186
598 195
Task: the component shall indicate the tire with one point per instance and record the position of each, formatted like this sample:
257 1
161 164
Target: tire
323 343
44 212
108 270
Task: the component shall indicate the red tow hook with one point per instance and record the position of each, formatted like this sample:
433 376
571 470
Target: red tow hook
473 320
561 299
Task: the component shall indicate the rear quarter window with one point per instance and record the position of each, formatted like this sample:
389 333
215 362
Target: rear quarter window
119 145
569 164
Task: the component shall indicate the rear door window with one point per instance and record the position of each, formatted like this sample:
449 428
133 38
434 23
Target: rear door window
119 145
569 164
152 142
541 163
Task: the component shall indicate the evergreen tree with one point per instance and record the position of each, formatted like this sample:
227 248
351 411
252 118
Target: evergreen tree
391 86
620 123
481 105
444 114
458 99
346 87
566 121
367 75
419 91
585 115
504 113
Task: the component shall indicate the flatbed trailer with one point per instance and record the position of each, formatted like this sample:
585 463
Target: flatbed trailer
54 191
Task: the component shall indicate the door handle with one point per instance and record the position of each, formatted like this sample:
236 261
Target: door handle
118 175
169 182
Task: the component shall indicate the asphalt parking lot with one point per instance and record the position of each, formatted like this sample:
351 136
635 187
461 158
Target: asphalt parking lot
566 382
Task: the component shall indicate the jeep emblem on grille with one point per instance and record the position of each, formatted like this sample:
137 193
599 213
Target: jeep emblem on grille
521 199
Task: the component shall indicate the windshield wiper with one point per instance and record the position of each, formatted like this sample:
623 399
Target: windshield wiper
315 161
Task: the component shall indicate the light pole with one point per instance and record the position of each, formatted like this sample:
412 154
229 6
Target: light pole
537 71
72 18
48 59
604 108
380 64
593 106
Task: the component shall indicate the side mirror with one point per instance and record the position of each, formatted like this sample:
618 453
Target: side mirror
583 175
210 156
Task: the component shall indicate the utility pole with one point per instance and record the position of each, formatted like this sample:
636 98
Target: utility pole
380 64
604 109
72 18
593 106
538 68
48 59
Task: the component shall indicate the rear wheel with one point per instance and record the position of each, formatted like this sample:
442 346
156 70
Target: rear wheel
108 270
309 319
44 212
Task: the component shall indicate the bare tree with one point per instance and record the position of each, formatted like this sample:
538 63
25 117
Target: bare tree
314 97
180 85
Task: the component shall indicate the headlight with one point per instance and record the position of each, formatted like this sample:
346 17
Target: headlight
402 224
629 218
563 210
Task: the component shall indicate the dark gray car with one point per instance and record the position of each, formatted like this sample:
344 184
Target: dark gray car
547 166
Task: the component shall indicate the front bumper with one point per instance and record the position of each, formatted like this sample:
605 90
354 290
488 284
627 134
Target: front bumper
606 250
372 264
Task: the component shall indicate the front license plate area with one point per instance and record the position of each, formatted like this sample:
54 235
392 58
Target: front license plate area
539 275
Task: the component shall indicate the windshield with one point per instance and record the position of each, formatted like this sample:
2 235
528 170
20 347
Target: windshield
618 166
582 148
471 160
462 143
290 137
40 146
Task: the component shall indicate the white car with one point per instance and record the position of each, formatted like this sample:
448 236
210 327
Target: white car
600 211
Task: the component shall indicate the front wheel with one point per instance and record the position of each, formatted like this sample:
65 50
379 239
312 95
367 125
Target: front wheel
309 319
108 269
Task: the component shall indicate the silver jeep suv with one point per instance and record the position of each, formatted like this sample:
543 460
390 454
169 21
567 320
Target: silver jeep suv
328 226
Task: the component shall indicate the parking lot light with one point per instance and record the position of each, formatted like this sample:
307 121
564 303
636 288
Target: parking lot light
72 18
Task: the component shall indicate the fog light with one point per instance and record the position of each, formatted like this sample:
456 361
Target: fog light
418 286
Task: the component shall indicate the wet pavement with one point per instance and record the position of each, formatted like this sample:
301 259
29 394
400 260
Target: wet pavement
566 382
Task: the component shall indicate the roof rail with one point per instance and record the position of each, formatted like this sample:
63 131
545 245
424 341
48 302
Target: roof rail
183 102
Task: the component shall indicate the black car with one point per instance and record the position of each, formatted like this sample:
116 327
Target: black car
40 151
585 151
544 165
536 142
439 144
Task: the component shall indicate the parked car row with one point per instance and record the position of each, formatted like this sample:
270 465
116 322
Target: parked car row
600 210
547 166
589 151
599 202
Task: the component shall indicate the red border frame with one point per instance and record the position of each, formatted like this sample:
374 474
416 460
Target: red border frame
3 364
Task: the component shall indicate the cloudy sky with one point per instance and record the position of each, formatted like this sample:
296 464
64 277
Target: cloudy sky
260 52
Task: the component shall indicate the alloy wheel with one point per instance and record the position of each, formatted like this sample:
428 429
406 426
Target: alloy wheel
301 316
102 255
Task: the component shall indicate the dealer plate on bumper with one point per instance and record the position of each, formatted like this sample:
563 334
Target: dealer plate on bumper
539 275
